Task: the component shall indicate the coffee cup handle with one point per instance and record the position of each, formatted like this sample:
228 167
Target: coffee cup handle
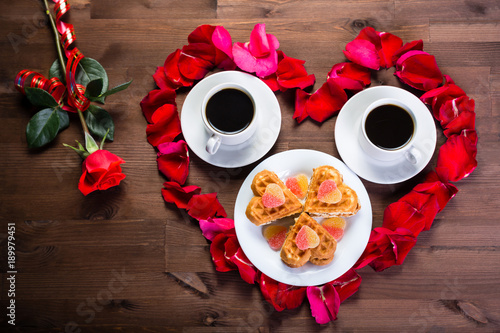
413 155
213 144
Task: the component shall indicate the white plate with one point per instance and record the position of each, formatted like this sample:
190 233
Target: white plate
348 130
262 141
349 248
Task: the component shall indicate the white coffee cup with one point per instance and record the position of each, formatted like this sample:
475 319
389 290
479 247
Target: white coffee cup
232 124
389 138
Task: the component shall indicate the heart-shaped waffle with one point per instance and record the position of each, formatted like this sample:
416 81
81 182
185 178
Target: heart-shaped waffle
320 255
348 204
258 213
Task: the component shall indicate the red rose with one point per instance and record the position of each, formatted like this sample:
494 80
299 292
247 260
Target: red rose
100 171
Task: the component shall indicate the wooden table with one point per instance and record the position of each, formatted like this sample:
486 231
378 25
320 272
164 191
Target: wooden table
124 259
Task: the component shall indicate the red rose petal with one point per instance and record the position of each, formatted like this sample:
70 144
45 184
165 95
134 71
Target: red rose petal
452 107
326 101
247 270
280 295
424 203
272 82
155 99
165 126
218 252
203 206
180 196
419 70
347 284
192 66
371 35
402 214
386 248
171 68
390 44
416 45
173 160
433 185
161 79
458 155
466 120
402 242
292 74
202 34
350 76
301 98
437 97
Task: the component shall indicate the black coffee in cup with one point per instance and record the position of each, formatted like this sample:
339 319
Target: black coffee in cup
389 126
230 111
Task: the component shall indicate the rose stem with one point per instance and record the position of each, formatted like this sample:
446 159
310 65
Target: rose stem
61 59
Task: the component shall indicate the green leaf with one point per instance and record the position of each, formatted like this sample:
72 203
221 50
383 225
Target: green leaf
89 70
42 128
118 88
56 70
39 97
93 90
63 119
99 122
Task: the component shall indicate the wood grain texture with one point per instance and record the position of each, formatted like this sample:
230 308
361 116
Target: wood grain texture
123 259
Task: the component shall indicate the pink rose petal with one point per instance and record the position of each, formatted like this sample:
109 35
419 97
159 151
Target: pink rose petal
324 302
211 227
363 53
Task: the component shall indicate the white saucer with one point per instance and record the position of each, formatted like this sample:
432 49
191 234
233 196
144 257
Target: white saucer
260 254
348 130
243 154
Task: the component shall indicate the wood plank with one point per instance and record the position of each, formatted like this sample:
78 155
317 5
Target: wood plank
462 32
151 9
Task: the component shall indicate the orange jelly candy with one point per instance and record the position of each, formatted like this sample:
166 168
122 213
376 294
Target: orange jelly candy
328 192
298 185
273 196
275 236
307 238
335 227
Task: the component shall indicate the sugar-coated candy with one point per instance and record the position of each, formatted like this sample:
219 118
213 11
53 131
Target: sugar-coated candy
328 192
298 185
273 196
307 238
335 226
275 236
